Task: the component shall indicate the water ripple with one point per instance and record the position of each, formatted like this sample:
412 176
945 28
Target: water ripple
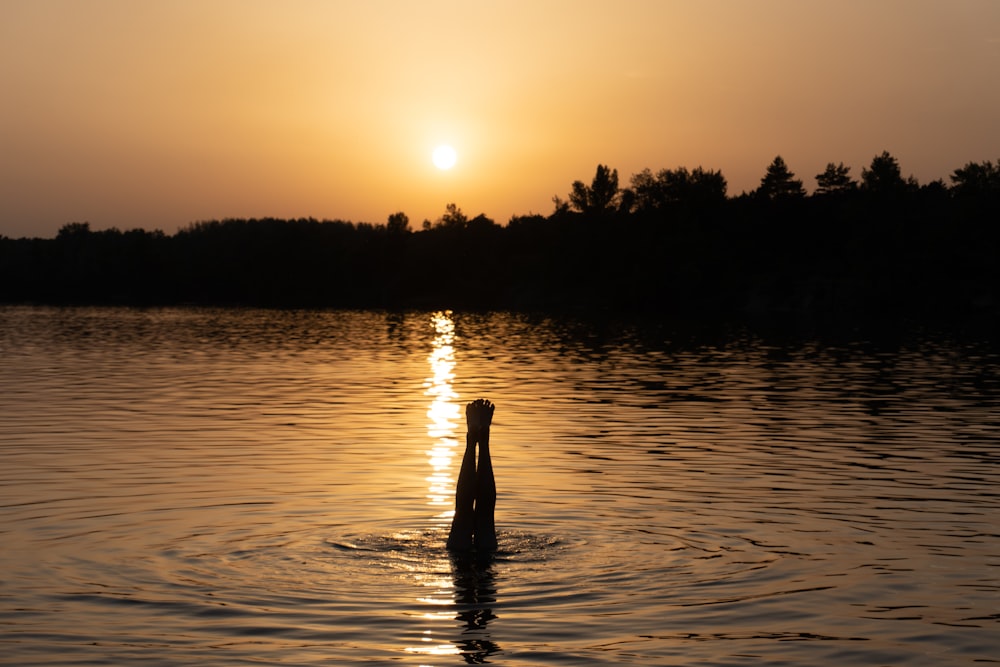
186 486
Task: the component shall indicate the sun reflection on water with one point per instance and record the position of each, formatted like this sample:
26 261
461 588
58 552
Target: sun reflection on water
443 414
458 595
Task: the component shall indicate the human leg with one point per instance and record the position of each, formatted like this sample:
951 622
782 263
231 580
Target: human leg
486 498
463 523
475 493
486 488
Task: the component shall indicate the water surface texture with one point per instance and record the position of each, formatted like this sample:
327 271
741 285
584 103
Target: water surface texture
213 487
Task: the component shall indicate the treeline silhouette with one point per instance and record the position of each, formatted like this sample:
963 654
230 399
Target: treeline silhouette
671 243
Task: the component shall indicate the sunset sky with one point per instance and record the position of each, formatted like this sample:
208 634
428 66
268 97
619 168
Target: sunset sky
157 114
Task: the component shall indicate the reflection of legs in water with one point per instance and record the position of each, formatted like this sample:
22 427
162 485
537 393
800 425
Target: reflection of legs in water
475 597
476 493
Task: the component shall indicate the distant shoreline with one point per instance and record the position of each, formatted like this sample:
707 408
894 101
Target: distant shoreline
673 247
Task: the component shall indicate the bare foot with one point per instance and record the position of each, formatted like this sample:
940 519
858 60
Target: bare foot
479 415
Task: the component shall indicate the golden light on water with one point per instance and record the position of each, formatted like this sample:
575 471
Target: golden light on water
443 415
430 647
443 588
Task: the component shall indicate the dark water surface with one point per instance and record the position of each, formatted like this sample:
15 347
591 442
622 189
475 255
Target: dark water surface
201 487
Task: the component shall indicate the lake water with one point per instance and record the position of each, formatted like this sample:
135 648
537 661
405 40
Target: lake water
225 487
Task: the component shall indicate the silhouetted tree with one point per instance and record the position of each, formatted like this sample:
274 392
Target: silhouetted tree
626 200
73 230
481 222
601 197
677 186
931 250
649 195
530 220
398 223
779 182
977 178
883 176
453 218
835 179
560 208
707 186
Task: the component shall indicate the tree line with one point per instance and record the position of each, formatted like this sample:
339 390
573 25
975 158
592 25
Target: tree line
670 243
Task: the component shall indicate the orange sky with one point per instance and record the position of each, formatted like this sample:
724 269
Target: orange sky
157 114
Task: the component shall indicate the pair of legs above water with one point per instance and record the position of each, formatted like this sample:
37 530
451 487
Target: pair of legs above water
476 494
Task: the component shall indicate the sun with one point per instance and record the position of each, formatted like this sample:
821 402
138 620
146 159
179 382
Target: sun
444 157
